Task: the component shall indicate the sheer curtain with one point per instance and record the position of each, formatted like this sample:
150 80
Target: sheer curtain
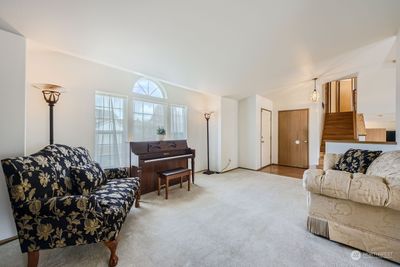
111 149
178 122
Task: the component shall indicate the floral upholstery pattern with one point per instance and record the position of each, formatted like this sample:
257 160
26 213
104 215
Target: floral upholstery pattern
115 199
116 173
47 211
356 160
86 178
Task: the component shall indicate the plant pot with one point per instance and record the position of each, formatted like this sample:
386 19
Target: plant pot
161 137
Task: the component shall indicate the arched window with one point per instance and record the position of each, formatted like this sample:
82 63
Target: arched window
148 87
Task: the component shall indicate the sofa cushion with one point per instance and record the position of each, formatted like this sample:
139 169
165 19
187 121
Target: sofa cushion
370 190
394 193
336 184
386 165
86 178
116 197
356 160
330 160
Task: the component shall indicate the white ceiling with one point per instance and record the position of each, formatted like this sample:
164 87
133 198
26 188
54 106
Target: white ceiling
226 47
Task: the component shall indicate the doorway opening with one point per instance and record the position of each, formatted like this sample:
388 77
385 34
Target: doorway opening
341 96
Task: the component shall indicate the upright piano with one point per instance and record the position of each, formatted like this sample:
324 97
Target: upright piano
153 157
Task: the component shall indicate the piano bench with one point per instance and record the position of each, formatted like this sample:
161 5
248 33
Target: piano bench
167 175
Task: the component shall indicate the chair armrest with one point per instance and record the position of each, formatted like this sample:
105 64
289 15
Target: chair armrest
116 173
330 160
59 222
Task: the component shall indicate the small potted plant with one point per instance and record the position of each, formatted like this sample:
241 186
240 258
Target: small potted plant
161 133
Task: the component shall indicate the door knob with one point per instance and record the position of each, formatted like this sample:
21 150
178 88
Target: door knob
305 141
297 142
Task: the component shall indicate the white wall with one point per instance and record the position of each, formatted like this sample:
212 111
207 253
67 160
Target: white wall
74 116
12 116
376 88
250 130
397 49
228 137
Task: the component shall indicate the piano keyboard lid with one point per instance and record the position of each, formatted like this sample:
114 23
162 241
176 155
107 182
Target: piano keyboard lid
140 148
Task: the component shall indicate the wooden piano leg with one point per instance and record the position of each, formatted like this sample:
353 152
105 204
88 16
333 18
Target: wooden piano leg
166 188
158 185
188 182
181 181
192 170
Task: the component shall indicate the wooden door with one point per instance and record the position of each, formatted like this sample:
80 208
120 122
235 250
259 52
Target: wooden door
266 118
293 138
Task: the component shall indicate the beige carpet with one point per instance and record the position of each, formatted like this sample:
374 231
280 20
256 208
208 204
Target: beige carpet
240 218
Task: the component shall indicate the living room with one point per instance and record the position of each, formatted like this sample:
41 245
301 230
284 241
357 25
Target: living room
219 128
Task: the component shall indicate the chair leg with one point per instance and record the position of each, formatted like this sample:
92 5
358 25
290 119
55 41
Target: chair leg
112 246
137 201
33 258
189 183
181 181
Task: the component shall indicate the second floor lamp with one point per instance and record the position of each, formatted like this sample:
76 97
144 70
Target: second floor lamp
207 116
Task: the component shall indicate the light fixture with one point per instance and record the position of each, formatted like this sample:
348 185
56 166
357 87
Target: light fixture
51 94
315 94
207 116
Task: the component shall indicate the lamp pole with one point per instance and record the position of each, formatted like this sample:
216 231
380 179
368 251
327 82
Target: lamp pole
207 116
51 94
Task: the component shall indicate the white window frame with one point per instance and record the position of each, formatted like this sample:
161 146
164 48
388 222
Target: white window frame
148 100
159 85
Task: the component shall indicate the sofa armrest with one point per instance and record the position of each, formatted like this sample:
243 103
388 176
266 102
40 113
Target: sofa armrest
330 160
59 222
312 180
116 173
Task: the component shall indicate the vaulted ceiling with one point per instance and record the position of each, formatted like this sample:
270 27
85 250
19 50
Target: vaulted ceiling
225 47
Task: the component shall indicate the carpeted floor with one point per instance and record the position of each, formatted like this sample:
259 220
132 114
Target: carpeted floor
240 218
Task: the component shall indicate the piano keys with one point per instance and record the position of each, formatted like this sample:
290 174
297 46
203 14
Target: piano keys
153 157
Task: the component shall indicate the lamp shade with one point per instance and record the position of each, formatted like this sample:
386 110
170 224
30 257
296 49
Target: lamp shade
51 92
207 115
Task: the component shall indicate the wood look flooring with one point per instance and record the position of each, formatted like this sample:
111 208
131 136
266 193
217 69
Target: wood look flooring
285 171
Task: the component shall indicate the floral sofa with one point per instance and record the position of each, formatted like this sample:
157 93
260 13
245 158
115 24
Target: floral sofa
359 210
60 197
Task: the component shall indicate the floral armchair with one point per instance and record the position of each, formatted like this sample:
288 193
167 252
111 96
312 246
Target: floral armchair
52 208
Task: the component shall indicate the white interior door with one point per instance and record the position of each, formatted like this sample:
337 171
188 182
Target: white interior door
265 137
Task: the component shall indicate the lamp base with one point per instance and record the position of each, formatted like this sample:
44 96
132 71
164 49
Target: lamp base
208 172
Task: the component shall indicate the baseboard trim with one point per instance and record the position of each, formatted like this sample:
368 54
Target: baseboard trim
7 240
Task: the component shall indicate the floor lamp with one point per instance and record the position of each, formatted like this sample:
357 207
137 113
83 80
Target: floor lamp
51 94
207 116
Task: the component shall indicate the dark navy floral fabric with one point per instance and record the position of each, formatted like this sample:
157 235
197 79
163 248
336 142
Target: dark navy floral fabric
86 178
116 198
356 160
47 211
116 173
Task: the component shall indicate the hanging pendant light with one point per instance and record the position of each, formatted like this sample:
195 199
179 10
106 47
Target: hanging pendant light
315 94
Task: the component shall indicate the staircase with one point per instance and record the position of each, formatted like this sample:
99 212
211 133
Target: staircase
338 126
